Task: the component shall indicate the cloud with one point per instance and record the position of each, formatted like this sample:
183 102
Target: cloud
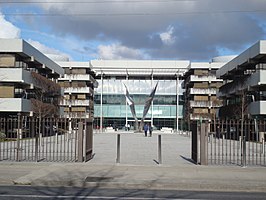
10 31
53 54
167 37
117 51
7 29
196 29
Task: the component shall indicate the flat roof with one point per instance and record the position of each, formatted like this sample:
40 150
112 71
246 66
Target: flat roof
140 67
254 54
206 65
21 47
74 64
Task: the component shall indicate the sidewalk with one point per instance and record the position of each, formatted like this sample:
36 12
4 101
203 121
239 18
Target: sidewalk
137 168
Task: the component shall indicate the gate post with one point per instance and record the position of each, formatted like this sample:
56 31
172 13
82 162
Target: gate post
204 144
35 135
19 137
88 139
80 141
194 140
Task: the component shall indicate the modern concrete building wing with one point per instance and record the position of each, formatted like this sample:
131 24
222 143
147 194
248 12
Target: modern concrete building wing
245 76
28 80
200 88
25 50
78 83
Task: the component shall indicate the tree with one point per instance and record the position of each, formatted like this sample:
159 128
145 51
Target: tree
47 91
47 96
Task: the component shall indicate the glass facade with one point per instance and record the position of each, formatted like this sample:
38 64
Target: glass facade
115 111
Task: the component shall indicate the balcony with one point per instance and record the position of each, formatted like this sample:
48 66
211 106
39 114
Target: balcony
88 116
78 77
258 79
80 90
199 117
76 102
205 104
209 91
195 78
15 105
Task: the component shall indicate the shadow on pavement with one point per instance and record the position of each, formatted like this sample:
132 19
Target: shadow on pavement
188 159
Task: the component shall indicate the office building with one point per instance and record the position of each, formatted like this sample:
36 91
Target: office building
28 80
78 83
244 88
200 86
140 77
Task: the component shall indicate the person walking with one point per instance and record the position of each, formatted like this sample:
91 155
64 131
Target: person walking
145 128
150 130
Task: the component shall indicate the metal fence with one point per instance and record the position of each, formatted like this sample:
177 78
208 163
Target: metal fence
25 138
235 142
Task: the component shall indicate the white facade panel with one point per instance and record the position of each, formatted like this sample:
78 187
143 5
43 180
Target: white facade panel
85 90
15 75
202 91
77 102
257 108
195 78
263 46
15 105
78 77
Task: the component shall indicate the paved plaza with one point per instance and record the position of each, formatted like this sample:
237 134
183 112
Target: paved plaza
139 150
138 168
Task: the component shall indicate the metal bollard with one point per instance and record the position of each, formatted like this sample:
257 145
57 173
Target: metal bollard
160 149
118 149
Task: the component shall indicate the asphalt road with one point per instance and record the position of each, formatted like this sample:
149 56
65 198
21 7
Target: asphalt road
29 192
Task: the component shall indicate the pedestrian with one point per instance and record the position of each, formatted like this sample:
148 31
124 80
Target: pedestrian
145 128
150 130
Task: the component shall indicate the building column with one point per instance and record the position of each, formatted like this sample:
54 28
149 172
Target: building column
126 103
152 100
177 101
101 110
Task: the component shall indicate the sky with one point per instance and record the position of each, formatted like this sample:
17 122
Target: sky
82 30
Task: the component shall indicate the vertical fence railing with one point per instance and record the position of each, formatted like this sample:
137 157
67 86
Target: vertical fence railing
24 138
227 146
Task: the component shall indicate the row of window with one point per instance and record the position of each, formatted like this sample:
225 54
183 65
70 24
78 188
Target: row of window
123 111
114 86
120 123
119 99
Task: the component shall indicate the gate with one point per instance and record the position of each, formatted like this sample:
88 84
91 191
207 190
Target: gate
25 138
233 142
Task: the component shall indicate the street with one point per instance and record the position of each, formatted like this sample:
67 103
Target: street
29 192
